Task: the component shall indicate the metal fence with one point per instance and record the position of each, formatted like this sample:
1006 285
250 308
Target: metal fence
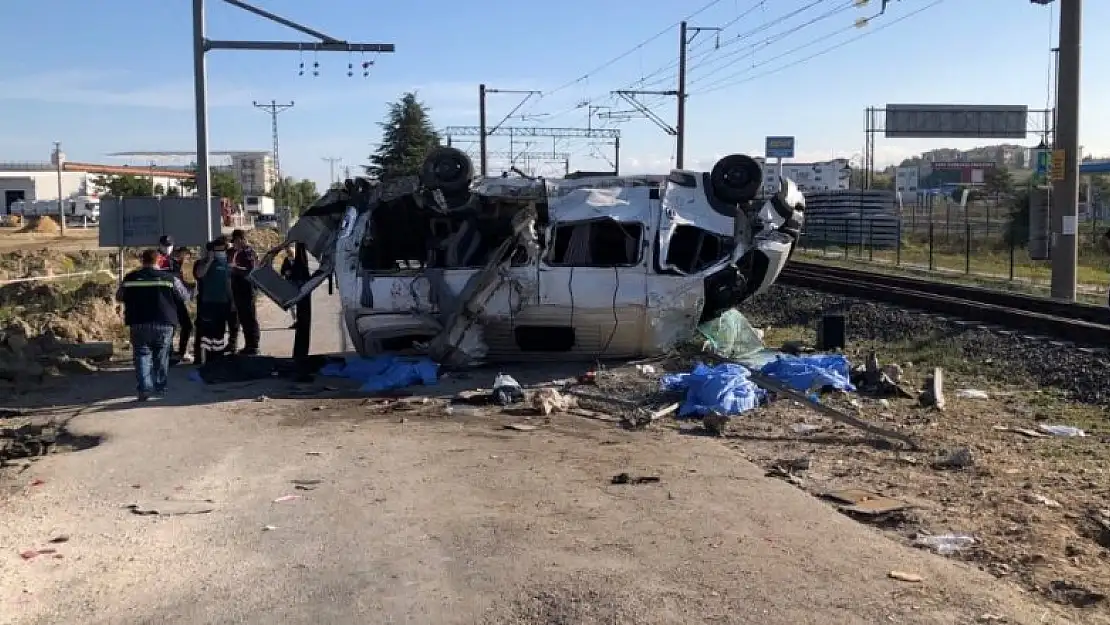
983 243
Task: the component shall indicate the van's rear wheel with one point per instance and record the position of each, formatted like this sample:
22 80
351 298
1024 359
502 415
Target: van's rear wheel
448 169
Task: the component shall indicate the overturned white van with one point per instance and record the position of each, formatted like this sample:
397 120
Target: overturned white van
467 270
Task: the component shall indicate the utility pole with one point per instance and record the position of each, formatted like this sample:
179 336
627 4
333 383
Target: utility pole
59 163
680 135
332 161
273 109
1065 252
482 147
202 45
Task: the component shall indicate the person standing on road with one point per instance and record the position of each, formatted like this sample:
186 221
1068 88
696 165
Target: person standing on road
243 260
178 256
215 308
150 299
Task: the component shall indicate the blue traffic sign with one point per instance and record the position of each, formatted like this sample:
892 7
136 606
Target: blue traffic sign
779 147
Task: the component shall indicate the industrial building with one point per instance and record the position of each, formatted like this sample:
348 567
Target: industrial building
39 181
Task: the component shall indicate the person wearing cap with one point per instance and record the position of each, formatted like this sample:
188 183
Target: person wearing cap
150 299
243 260
215 307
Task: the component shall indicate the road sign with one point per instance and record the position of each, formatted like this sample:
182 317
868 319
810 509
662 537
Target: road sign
948 121
779 147
1058 167
140 221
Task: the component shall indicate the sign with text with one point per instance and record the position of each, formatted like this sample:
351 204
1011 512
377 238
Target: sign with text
955 121
1058 168
140 221
779 147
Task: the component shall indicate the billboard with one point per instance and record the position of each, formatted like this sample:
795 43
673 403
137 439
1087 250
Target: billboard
955 121
826 176
907 181
779 147
962 172
140 221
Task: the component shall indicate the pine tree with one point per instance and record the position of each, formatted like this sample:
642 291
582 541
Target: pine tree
407 136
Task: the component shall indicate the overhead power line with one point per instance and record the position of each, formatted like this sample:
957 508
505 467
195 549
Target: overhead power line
740 79
631 50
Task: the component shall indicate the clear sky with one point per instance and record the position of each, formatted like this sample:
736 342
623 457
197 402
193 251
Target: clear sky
116 75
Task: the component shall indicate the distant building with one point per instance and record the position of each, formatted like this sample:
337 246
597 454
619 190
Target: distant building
254 170
39 181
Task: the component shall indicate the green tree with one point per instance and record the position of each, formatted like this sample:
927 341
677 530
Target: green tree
998 181
407 136
224 184
125 186
296 195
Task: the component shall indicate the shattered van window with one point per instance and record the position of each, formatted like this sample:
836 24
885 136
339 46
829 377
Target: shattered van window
692 249
596 243
731 335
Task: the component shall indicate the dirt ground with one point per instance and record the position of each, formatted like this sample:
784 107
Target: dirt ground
300 504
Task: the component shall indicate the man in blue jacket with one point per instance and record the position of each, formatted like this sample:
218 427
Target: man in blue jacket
151 299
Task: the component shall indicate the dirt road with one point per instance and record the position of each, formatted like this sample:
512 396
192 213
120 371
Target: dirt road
435 519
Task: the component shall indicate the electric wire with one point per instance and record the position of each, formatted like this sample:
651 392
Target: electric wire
740 79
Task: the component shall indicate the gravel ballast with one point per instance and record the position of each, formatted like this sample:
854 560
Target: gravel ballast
1013 357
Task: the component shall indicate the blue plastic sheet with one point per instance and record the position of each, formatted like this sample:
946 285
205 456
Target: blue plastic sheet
805 373
385 373
725 388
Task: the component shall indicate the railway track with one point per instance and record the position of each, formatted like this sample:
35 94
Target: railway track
1080 323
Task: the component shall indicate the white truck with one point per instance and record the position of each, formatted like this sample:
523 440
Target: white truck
76 208
259 205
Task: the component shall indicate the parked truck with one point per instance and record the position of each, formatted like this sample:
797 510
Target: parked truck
80 207
259 205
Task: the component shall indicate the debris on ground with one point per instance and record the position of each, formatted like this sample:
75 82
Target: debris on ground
522 427
945 544
1073 594
506 390
932 393
285 498
625 478
385 372
548 400
172 508
972 393
1061 430
956 459
903 576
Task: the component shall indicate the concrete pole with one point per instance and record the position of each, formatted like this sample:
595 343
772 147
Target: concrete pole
200 92
1065 250
61 200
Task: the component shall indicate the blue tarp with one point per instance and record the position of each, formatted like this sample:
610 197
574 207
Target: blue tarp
725 388
805 373
728 389
385 373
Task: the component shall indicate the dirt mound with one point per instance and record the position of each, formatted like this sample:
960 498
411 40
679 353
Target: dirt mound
264 239
46 262
42 225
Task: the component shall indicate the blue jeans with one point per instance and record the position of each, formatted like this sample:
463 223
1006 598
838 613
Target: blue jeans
151 345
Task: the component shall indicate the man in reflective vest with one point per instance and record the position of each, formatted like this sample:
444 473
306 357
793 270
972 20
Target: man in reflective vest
214 304
150 299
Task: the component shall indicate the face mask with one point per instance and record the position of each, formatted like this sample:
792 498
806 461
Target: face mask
220 255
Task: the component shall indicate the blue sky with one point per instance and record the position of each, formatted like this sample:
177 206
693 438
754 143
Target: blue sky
118 76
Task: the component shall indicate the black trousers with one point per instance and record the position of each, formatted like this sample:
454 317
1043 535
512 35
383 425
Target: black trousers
245 317
213 319
184 328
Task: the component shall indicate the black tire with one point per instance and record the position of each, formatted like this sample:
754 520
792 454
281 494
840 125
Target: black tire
735 178
448 169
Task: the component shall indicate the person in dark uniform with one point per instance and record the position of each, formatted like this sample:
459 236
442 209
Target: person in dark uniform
242 260
150 299
215 308
288 271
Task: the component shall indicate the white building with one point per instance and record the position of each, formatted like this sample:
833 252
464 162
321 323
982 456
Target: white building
253 169
39 181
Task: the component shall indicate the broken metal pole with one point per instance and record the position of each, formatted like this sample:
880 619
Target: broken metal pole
771 384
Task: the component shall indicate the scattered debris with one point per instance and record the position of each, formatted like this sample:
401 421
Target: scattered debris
61 538
31 554
172 508
945 544
268 528
645 369
903 576
285 498
932 394
1017 430
804 428
506 390
548 400
521 427
1073 594
859 501
990 618
956 459
972 393
261 398
1041 499
715 423
1061 430
624 478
